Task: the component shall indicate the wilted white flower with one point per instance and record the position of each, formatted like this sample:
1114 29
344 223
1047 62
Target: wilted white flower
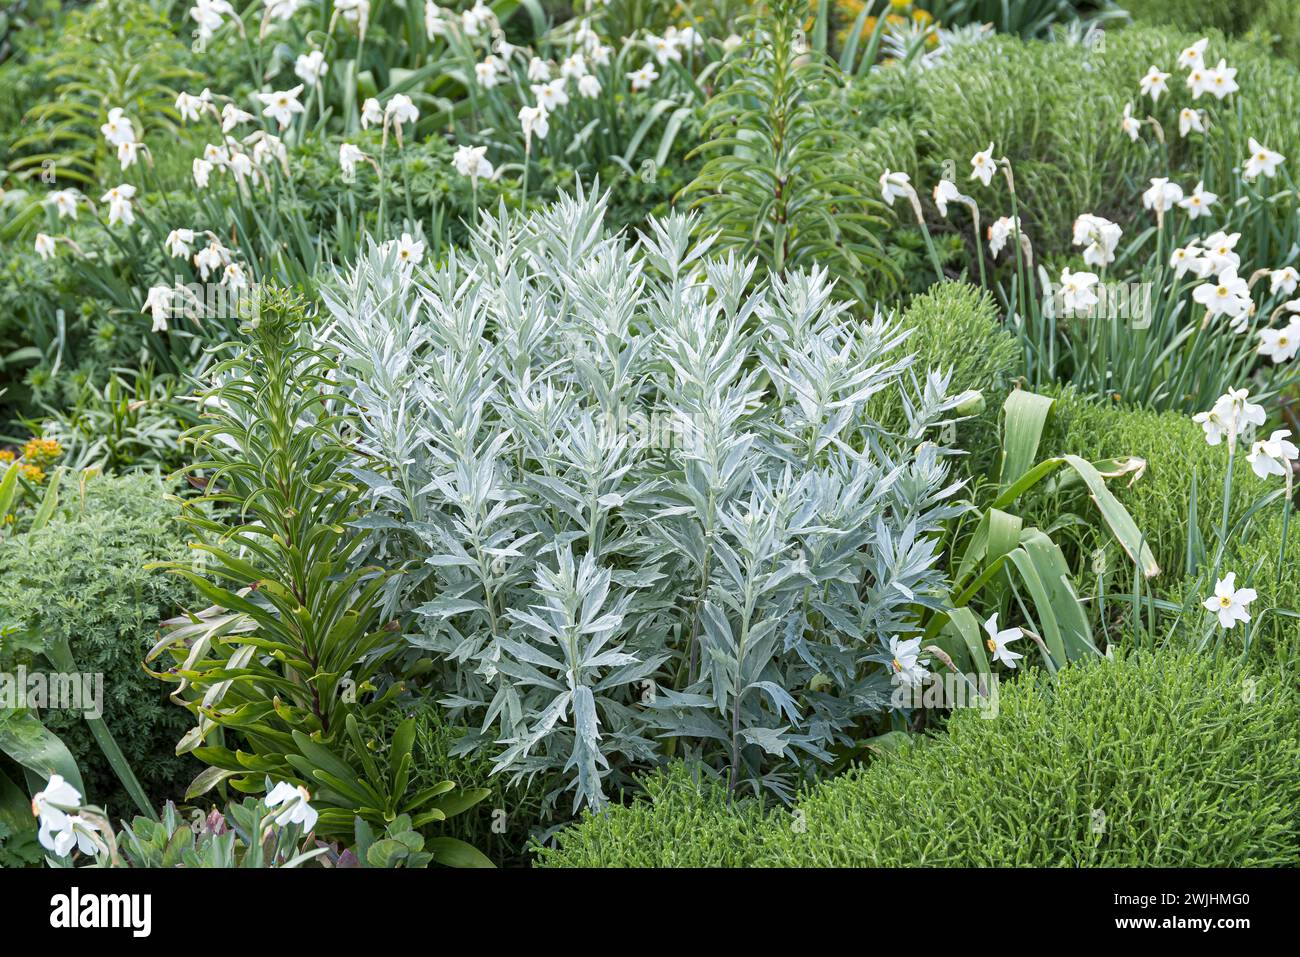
202 169
159 303
371 113
44 245
400 110
190 106
539 71
210 258
282 9
1229 602
232 116
532 119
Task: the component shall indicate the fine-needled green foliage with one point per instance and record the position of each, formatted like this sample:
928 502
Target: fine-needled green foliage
1168 759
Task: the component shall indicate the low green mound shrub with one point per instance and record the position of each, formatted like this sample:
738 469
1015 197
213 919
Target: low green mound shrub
1168 759
955 326
82 579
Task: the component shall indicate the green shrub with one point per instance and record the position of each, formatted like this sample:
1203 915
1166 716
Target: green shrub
1155 760
955 327
682 821
82 579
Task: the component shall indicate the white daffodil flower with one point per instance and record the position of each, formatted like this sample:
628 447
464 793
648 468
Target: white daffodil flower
410 251
1222 80
477 19
1229 296
589 86
282 10
539 71
642 79
201 169
371 113
1220 251
1099 237
1231 414
1194 55
437 22
472 161
945 192
349 156
1189 120
664 50
65 203
1154 84
1273 455
232 116
356 12
44 245
1262 161
211 258
1283 280
488 72
1198 81
1000 231
1187 259
159 303
550 96
310 67
982 165
894 185
532 119
61 828
1229 602
233 276
1281 345
1129 123
119 204
1162 196
281 105
574 67
128 153
1077 296
906 663
119 129
297 809
400 111
178 243
190 106
998 641
1198 202
207 15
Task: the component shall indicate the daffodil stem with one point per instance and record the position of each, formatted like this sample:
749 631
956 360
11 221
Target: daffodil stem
1286 522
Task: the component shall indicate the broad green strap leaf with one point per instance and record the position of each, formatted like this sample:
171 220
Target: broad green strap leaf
1024 415
28 742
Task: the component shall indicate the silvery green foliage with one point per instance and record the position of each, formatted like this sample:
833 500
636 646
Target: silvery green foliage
640 500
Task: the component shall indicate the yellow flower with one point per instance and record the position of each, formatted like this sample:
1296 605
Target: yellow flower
33 473
900 4
922 18
42 451
6 456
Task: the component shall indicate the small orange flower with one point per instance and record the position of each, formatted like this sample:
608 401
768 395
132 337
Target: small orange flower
33 473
